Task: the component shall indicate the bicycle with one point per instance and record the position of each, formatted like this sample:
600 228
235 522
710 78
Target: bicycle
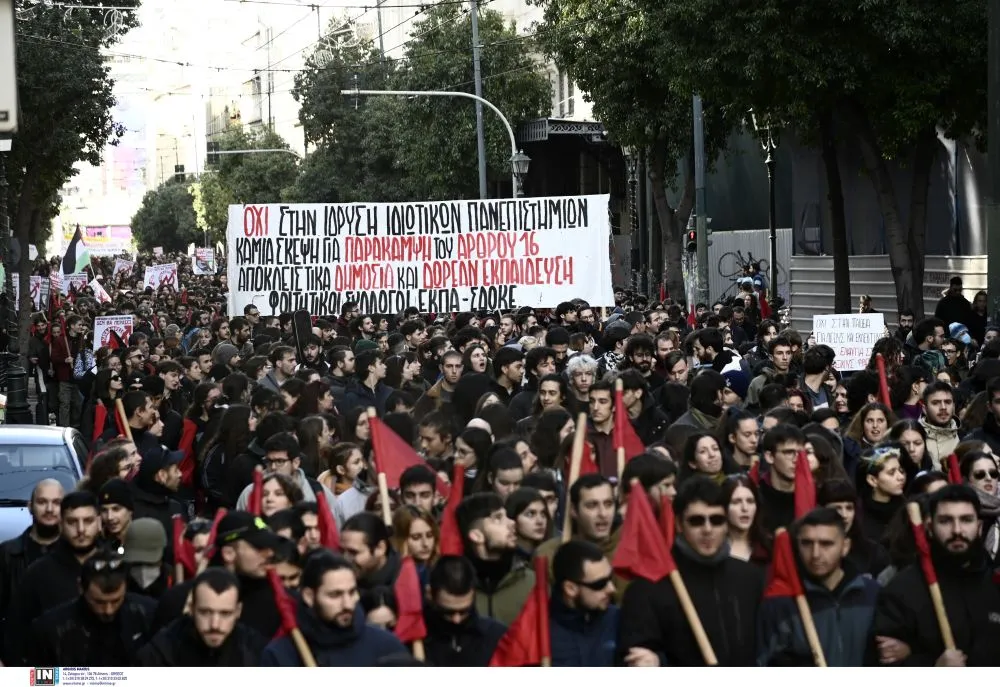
733 265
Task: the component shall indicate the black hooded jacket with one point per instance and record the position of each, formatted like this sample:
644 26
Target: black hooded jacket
468 644
179 645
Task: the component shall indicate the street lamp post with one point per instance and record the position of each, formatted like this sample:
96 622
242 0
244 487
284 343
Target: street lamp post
631 154
519 162
18 411
766 133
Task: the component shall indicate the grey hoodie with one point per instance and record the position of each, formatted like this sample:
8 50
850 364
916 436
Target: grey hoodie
307 493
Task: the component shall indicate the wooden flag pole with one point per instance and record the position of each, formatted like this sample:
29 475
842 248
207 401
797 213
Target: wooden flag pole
579 436
620 451
120 409
694 621
383 485
917 520
809 625
305 653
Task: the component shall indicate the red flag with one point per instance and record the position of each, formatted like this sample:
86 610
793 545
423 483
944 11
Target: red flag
100 419
286 605
451 537
805 488
692 318
663 291
954 471
667 521
924 553
328 534
256 493
210 545
393 455
120 423
526 642
409 599
588 466
642 550
754 473
765 307
188 463
623 434
883 381
183 549
783 576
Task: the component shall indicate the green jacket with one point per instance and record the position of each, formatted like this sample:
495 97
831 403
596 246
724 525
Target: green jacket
508 598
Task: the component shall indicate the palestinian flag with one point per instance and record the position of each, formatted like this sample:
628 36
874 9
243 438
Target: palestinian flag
77 256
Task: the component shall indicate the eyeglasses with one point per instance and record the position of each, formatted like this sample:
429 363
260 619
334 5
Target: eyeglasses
116 378
277 462
596 585
716 520
981 474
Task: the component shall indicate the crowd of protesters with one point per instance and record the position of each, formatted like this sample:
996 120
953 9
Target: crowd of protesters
258 439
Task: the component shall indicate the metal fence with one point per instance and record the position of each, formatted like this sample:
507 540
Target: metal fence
727 250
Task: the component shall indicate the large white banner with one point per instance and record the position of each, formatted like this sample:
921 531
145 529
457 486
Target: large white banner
450 256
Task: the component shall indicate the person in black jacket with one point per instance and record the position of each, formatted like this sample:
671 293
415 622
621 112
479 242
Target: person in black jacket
904 611
36 541
103 626
154 489
779 448
332 621
726 592
649 421
583 618
457 636
212 635
54 578
143 548
244 546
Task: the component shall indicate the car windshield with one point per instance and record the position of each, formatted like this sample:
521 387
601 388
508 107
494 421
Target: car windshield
22 466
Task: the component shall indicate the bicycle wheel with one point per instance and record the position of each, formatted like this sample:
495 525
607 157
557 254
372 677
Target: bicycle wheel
730 266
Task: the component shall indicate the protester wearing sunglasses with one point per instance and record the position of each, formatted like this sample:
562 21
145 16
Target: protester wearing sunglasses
583 618
980 471
726 591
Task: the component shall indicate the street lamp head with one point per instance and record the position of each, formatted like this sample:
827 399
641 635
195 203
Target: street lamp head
630 152
520 162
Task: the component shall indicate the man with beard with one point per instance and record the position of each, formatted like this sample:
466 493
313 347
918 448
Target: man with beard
117 506
904 324
940 423
332 621
364 539
457 636
212 635
19 553
904 611
710 349
54 578
726 591
640 353
841 599
504 580
312 352
244 546
592 512
583 620
103 626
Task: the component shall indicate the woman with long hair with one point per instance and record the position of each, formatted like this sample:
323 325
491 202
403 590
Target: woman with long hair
911 437
553 425
108 387
870 425
344 464
979 470
402 372
502 474
230 440
356 427
278 492
703 456
472 449
415 533
884 482
748 540
316 398
867 555
739 435
552 392
312 434
532 524
474 359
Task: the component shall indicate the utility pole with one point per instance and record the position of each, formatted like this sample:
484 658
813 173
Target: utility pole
378 19
993 157
700 209
477 75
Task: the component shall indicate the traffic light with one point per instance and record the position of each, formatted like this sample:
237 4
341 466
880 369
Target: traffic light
691 241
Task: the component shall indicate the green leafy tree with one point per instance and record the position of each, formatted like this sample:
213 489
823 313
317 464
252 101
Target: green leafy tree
211 201
612 49
390 148
167 219
254 177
